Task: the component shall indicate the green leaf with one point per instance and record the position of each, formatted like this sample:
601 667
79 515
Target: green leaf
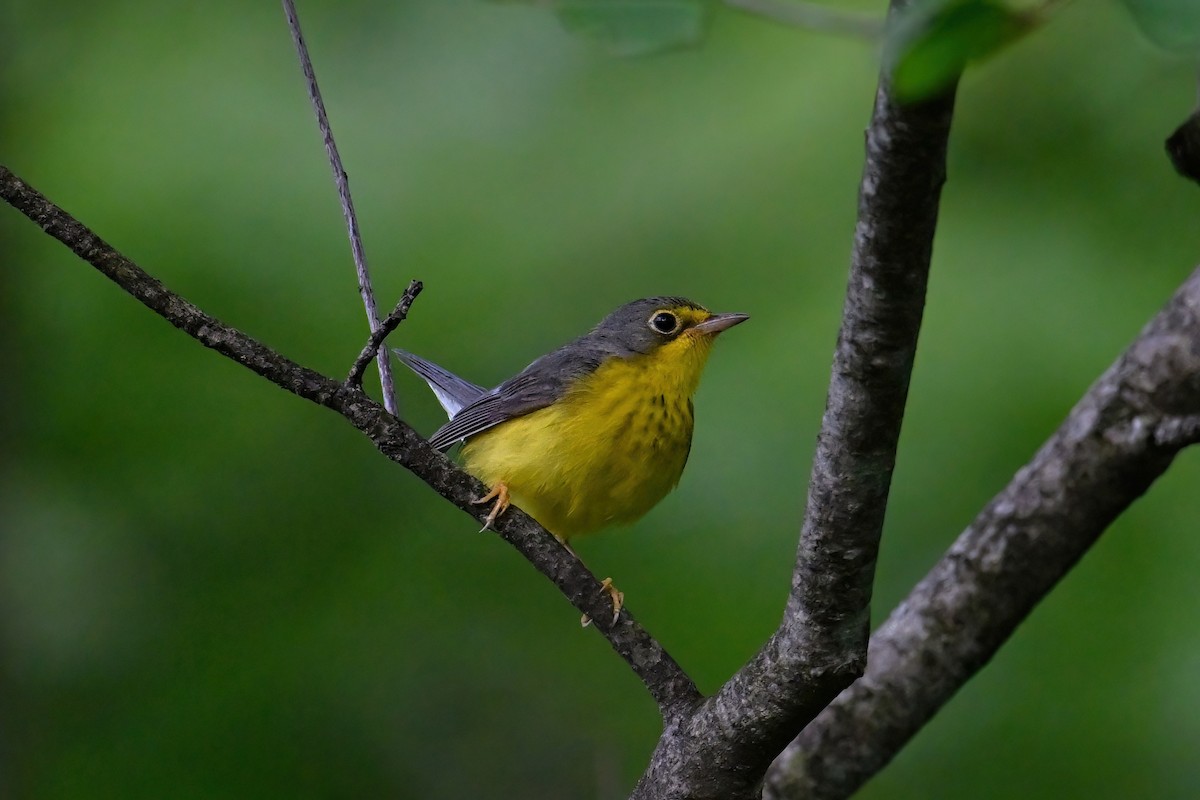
931 43
1170 24
635 27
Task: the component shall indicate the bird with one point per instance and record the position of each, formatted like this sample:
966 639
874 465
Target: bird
592 434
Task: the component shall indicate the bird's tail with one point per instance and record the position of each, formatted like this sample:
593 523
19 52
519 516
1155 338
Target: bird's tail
451 391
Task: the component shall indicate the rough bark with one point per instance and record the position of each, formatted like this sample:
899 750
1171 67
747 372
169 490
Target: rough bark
1116 441
723 748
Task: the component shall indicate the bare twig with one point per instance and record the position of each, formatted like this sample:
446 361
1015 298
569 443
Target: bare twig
1116 441
813 16
389 324
667 683
342 182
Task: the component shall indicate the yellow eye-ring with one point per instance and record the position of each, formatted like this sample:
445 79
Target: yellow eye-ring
664 322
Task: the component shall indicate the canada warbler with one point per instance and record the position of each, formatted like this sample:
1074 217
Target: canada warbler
594 433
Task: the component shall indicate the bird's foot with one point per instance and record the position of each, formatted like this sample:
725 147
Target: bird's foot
618 601
499 493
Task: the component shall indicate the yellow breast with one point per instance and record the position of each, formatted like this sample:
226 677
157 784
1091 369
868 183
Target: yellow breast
607 451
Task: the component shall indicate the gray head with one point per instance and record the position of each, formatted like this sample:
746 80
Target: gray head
643 326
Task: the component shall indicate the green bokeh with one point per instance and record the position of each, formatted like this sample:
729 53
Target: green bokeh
213 589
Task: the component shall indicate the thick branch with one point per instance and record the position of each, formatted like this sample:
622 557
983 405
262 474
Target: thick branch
820 647
668 684
1116 441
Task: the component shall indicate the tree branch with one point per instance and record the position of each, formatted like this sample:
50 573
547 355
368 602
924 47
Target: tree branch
671 688
1117 440
724 749
342 182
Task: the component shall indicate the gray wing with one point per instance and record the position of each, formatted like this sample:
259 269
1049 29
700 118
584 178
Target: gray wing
452 391
534 388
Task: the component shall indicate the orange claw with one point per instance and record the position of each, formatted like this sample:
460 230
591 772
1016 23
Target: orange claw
499 493
618 601
618 597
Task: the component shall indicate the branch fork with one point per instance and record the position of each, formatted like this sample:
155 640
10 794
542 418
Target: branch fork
374 344
804 685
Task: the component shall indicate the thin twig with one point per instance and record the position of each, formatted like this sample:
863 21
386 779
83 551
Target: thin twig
814 17
342 182
389 324
667 683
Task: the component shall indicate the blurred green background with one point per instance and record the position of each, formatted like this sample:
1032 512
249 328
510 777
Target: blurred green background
211 588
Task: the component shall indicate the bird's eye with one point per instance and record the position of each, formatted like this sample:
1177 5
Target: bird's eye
664 322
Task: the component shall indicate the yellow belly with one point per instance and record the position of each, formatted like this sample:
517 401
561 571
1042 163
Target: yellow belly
604 454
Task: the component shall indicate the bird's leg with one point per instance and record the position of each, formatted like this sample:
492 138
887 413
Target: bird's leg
618 601
499 493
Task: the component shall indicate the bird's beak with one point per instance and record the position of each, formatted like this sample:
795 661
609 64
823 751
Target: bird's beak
719 322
